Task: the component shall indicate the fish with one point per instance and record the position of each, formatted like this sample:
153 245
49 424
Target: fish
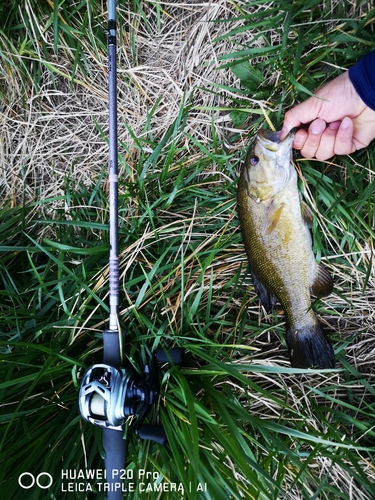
276 231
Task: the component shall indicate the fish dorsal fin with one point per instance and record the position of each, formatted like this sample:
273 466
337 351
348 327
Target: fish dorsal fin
272 217
307 214
323 283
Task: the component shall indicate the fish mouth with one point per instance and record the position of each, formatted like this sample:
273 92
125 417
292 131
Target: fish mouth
270 139
269 135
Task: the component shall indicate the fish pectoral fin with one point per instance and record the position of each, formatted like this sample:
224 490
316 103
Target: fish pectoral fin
267 299
323 284
307 214
272 217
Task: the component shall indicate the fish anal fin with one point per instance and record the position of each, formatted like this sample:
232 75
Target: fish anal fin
267 299
322 285
272 217
307 214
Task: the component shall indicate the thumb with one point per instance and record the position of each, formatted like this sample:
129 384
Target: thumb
303 113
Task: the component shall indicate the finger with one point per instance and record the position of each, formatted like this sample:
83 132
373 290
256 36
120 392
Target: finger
344 138
303 113
326 147
315 132
290 121
300 138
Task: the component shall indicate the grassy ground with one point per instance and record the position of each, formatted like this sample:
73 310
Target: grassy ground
195 81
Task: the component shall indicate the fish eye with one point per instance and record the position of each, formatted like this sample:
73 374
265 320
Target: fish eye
254 160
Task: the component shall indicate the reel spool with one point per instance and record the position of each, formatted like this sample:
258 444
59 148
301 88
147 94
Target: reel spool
109 395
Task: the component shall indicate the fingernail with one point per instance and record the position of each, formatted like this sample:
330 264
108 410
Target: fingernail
334 125
283 133
346 123
317 127
298 141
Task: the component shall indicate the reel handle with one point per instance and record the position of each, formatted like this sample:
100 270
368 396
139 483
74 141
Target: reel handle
152 433
169 356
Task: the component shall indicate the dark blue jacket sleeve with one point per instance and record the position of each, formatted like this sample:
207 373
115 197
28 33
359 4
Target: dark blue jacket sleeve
362 76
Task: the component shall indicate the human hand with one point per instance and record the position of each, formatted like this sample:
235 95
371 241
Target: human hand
339 121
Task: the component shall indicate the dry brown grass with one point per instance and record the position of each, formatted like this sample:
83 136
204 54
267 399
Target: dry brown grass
59 131
54 132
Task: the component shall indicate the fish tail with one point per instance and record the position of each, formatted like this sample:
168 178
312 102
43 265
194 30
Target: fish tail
309 347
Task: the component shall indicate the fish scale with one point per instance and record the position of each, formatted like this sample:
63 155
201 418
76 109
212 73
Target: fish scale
279 247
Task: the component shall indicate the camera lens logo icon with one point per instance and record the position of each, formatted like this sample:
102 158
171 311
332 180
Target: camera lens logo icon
27 480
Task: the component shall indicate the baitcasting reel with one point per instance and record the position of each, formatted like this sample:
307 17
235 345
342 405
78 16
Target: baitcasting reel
109 395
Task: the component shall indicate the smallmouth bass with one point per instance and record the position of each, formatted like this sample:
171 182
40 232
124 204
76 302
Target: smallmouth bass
275 230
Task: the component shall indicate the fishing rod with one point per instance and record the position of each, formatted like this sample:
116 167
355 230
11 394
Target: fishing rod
111 392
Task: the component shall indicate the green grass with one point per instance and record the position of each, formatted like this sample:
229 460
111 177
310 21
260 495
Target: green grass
240 422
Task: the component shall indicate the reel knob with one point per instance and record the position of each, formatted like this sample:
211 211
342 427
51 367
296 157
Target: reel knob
171 356
152 433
